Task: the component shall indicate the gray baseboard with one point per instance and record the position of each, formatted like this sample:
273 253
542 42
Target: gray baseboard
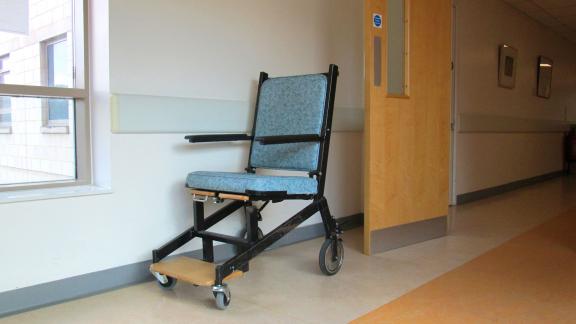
396 237
28 298
493 191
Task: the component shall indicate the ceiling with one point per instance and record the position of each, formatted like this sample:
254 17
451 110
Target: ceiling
558 15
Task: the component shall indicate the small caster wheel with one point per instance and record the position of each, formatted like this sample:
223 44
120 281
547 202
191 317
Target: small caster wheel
331 256
169 284
222 301
222 295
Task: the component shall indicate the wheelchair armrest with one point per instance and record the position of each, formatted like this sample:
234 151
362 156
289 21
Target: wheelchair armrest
217 138
285 139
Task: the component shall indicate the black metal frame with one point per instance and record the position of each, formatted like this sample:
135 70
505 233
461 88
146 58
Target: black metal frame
217 138
252 245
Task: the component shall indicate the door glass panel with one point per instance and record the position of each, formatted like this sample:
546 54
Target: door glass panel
377 61
396 38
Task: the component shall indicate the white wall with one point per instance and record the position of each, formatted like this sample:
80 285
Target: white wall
486 160
215 49
208 49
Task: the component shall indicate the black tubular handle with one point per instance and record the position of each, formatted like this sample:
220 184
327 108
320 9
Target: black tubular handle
217 138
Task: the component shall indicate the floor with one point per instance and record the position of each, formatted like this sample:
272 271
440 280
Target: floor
285 285
529 279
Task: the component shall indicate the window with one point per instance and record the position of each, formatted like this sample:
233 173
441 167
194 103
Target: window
5 102
397 25
45 99
5 115
57 67
4 68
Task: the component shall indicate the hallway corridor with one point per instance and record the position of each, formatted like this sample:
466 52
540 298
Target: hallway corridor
285 284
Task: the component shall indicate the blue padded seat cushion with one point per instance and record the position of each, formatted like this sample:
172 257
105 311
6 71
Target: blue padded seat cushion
241 182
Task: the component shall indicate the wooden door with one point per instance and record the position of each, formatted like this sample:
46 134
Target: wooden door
407 134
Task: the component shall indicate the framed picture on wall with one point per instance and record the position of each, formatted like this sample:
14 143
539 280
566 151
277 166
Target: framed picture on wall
507 66
544 77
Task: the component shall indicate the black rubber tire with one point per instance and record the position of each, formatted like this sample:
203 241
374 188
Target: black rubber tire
330 264
222 301
170 284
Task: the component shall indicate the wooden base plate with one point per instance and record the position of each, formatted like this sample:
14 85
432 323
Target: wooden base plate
194 271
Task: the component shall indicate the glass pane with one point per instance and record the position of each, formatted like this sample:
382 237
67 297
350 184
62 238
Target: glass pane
5 112
3 68
545 66
58 109
44 57
396 47
35 151
377 61
58 63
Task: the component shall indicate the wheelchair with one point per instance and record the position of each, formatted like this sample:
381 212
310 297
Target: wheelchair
291 131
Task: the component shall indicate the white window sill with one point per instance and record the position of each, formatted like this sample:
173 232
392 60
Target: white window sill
51 193
55 130
5 130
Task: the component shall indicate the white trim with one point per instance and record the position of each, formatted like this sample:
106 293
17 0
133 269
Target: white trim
18 90
51 193
81 22
481 123
55 122
55 130
82 108
146 114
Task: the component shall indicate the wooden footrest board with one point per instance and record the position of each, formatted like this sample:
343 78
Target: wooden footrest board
194 271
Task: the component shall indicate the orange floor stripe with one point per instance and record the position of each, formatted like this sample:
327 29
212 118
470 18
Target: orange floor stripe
530 279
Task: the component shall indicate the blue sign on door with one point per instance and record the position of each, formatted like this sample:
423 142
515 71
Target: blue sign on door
377 20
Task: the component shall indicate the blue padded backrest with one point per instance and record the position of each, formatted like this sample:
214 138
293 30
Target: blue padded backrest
290 106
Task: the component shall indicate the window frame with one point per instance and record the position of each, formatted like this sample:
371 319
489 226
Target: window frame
80 93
